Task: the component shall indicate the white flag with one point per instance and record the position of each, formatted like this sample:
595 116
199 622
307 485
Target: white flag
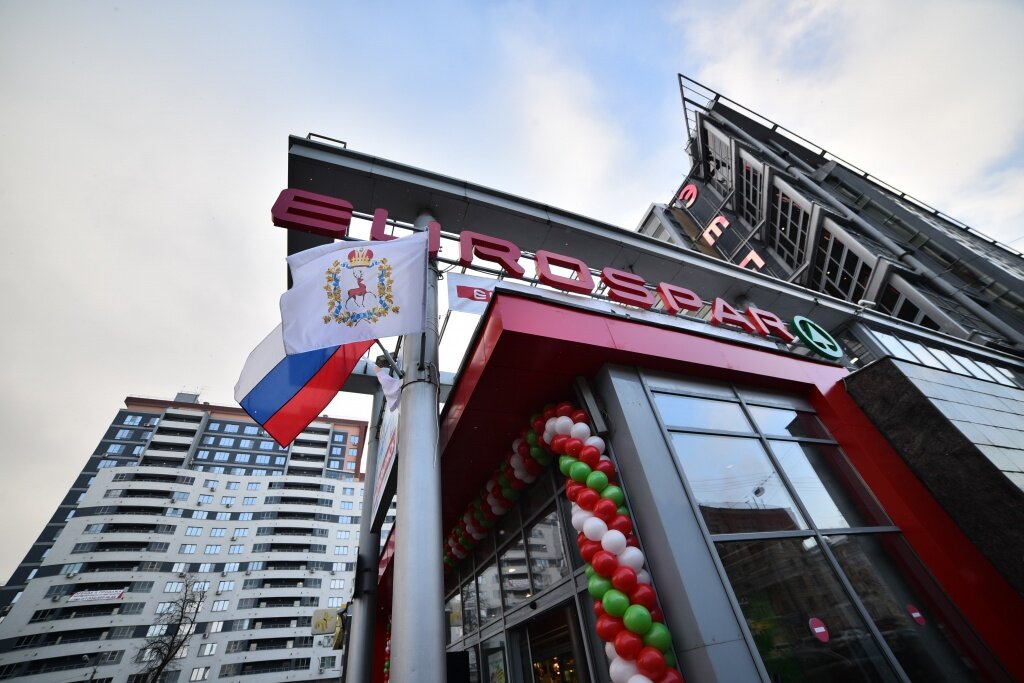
469 294
354 291
391 386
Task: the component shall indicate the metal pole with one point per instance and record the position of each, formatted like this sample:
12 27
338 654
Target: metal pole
359 667
417 626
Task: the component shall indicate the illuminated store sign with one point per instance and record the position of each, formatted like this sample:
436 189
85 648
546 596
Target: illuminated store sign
330 217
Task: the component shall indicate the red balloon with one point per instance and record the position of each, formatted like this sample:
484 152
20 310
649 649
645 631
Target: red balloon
588 549
657 616
671 676
588 499
608 627
549 412
524 449
628 644
538 425
580 539
607 467
573 447
531 466
598 608
558 443
578 416
643 594
509 472
590 455
624 579
517 484
633 541
651 662
488 513
604 563
605 509
564 409
621 523
572 489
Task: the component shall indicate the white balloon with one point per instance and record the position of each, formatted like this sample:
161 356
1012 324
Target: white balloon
594 528
491 500
605 457
549 426
639 678
515 445
580 518
498 510
516 461
574 508
477 534
548 436
528 478
613 541
580 431
632 557
563 425
595 441
621 670
609 651
643 577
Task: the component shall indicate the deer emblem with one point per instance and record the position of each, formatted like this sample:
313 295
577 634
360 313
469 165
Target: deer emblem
359 292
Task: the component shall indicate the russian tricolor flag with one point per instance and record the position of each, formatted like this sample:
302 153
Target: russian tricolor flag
284 393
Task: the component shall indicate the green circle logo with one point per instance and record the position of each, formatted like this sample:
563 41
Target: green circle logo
816 338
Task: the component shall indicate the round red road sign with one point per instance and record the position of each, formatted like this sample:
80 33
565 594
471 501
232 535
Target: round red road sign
818 629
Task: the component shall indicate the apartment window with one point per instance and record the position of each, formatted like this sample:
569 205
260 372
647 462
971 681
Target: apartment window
93 528
238 471
236 550
344 533
208 440
266 445
334 602
279 460
246 443
719 163
253 486
218 531
896 302
241 531
226 586
233 485
203 455
216 470
353 452
123 434
206 567
213 427
221 456
132 419
210 484
259 473
251 430
788 224
231 428
348 490
231 567
337 584
174 586
201 673
336 450
156 630
227 500
339 438
256 565
346 505
194 531
187 549
244 516
327 662
242 457
220 606
164 607
179 567
115 448
107 463
750 193
354 439
249 500
350 466
198 514
137 450
341 550
837 270
212 549
207 649
201 586
179 495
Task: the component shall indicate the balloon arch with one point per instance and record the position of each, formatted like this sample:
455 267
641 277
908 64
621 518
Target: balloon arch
637 642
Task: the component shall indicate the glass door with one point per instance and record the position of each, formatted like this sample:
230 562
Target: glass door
550 647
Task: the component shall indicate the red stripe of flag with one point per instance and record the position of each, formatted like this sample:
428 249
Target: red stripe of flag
309 402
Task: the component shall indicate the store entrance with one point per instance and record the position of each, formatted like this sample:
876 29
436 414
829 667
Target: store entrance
550 647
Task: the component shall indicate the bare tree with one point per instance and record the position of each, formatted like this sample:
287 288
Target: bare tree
171 632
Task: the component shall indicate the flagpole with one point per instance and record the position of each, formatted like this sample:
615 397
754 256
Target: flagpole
364 594
417 619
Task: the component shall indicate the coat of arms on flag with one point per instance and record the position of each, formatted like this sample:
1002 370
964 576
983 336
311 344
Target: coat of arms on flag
347 290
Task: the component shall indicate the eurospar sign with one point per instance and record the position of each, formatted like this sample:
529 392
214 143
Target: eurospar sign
331 217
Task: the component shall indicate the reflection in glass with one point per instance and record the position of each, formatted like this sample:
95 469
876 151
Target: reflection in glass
474 666
816 483
785 422
914 633
547 560
453 610
492 654
537 494
735 485
469 606
802 622
700 413
515 579
489 594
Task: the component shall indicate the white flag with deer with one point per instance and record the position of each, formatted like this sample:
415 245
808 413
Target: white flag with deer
354 291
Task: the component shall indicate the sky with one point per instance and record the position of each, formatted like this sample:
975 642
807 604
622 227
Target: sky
143 144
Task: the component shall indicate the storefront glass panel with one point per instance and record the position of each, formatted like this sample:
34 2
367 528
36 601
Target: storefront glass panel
782 422
469 606
816 483
492 655
548 564
453 610
515 579
488 594
735 485
689 412
916 635
802 622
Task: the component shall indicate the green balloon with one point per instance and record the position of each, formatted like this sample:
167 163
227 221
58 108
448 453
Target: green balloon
510 493
535 417
487 524
531 437
588 570
565 462
637 619
597 480
670 659
623 510
615 602
597 585
503 481
614 494
658 637
579 471
541 456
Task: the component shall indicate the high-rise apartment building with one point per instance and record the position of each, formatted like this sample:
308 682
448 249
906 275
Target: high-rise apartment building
182 492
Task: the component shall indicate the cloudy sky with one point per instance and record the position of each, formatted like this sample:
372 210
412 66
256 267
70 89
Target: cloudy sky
143 144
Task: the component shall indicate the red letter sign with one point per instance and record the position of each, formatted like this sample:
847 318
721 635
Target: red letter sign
379 224
715 229
627 288
311 212
492 249
676 299
765 323
688 195
724 314
583 285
